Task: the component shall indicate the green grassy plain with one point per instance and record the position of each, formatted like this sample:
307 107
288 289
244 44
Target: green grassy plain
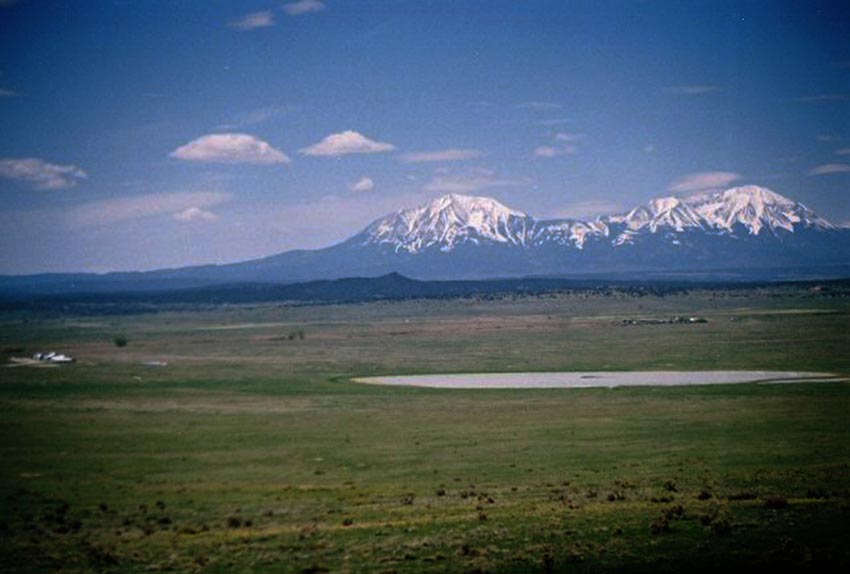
251 451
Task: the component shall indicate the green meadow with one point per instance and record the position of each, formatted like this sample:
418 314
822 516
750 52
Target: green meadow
231 439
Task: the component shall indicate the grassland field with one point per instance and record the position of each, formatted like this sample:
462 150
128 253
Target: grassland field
251 450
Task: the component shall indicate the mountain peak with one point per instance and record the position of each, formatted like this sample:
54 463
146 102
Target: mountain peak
471 204
757 193
660 213
448 221
750 207
755 208
755 196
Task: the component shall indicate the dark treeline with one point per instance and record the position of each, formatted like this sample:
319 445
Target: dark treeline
394 287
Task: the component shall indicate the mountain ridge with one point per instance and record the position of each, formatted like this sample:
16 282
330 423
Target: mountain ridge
454 218
466 237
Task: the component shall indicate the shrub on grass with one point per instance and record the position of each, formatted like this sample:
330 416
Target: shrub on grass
120 341
296 334
233 522
660 525
775 502
674 512
721 526
718 520
744 495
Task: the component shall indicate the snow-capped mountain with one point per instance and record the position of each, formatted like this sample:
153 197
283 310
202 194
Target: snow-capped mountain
662 214
740 210
447 221
456 219
755 208
746 231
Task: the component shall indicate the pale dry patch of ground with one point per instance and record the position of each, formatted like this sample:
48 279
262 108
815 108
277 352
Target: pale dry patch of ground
25 362
575 380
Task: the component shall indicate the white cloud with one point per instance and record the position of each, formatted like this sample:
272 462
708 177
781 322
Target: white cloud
589 208
183 206
194 213
304 7
267 114
7 93
568 137
230 148
253 21
830 168
41 174
469 182
649 148
363 184
554 122
843 151
264 115
566 147
702 181
692 90
346 142
539 106
546 151
820 98
452 154
550 151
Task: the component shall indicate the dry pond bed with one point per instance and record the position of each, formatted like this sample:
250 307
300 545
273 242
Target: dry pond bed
590 379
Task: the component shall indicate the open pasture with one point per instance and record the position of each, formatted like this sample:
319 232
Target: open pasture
231 439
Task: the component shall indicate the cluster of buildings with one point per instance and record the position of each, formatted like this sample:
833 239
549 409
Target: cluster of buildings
52 357
671 321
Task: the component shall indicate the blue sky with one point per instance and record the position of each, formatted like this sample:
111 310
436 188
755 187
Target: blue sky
146 134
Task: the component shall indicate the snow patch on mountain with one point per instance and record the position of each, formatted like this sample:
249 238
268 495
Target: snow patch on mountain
567 232
665 213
